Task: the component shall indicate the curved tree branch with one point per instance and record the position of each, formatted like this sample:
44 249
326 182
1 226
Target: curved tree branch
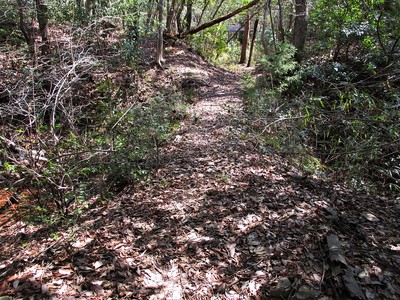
219 20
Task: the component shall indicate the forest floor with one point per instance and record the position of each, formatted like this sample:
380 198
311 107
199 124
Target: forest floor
217 219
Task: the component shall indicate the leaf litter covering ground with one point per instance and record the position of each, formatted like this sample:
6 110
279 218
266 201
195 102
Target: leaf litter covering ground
217 220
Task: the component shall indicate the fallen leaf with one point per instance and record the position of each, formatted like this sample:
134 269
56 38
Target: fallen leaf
82 243
15 284
85 268
98 264
44 288
370 217
65 272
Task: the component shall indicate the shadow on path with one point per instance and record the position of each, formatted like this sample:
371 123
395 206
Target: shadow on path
217 220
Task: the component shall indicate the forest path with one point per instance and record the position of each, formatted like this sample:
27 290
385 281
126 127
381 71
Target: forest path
216 220
220 220
197 229
197 209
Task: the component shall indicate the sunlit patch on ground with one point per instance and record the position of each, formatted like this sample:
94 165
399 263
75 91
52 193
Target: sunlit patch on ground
216 220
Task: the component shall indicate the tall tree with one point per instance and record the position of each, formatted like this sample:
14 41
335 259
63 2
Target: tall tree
253 38
189 14
160 31
43 20
179 22
264 27
281 32
169 27
271 20
300 27
28 30
245 40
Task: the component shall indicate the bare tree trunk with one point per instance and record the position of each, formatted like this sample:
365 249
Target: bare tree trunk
188 17
300 27
170 18
272 24
264 27
160 40
245 40
253 38
281 31
28 31
43 20
179 17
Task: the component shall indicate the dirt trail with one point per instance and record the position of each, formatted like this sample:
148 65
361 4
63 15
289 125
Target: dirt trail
217 220
194 207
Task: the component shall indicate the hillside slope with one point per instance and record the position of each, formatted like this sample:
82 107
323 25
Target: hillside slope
216 220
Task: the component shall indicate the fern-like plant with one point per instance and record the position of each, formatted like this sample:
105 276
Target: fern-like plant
281 63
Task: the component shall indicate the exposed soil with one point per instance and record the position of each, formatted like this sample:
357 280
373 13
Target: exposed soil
217 220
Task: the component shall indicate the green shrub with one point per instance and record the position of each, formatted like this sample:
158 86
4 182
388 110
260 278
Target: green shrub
346 115
211 44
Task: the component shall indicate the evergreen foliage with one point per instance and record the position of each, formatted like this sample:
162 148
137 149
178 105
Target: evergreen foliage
341 105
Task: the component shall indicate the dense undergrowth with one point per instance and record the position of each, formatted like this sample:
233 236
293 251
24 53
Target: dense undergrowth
340 117
83 123
212 45
87 119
